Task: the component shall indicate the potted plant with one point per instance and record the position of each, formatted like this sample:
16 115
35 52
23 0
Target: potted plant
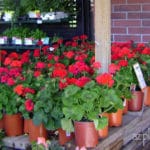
10 100
37 35
143 55
13 121
84 104
15 7
16 34
125 56
39 88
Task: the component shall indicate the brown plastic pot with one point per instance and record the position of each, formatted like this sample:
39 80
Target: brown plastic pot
27 125
125 109
85 134
63 137
36 131
146 96
136 103
105 114
103 133
13 124
115 119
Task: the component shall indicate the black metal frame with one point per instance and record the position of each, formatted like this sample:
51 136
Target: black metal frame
60 28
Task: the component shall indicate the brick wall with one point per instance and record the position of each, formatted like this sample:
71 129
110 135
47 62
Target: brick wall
131 20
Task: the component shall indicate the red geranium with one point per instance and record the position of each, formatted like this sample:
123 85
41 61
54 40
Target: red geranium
16 63
29 105
7 61
96 65
82 81
83 37
105 79
19 89
70 54
113 68
36 53
40 65
59 72
10 81
62 84
123 63
37 73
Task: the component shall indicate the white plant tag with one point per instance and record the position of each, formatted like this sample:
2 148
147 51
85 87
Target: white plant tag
68 133
39 21
139 75
2 41
18 41
28 41
124 102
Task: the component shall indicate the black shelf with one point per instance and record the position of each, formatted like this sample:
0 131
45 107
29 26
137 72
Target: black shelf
35 21
18 47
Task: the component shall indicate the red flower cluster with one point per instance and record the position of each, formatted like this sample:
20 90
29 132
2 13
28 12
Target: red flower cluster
11 67
22 91
105 79
29 105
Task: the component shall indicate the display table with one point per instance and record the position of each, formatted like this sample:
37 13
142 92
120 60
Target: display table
133 134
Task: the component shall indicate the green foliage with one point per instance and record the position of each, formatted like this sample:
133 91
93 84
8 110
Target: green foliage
9 100
23 32
47 102
22 7
38 34
9 4
146 68
17 32
52 145
87 103
2 135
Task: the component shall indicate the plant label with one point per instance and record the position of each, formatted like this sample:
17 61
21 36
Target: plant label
2 41
39 21
18 41
139 75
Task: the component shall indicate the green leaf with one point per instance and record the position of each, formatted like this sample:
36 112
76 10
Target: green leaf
88 106
100 123
70 91
67 125
90 85
74 113
88 95
38 117
50 125
56 113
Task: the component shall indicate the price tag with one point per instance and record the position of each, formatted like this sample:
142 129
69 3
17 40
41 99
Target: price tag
124 102
2 41
18 41
28 42
39 21
139 75
68 134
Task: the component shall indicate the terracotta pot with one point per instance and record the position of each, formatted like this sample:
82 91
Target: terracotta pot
27 125
115 119
103 133
85 134
13 124
146 96
136 103
105 114
36 131
63 137
125 104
